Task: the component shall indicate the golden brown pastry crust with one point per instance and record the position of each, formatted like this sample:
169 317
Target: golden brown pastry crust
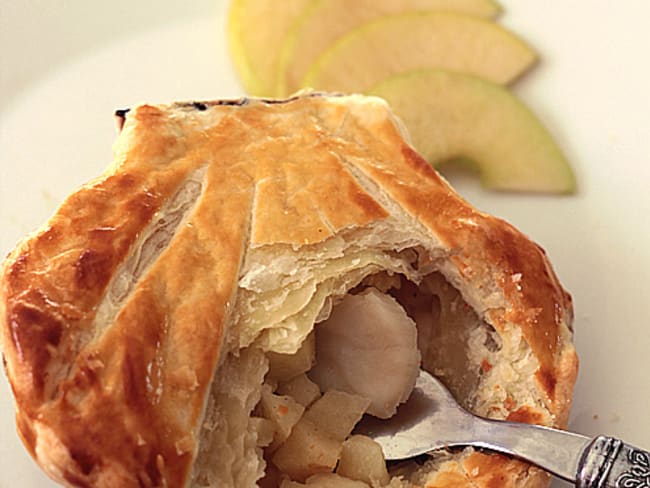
120 405
477 470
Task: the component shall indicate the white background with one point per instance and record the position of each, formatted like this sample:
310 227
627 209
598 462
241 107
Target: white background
65 66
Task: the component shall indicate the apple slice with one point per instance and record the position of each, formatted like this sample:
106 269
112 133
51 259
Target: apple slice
398 43
256 32
452 115
331 19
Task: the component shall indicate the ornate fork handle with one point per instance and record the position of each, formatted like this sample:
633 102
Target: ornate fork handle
610 463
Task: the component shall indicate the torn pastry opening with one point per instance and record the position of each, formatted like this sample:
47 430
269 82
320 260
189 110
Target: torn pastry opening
321 338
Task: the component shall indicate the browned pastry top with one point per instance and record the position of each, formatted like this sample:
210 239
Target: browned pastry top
110 356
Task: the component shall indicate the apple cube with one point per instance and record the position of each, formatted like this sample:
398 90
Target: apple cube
337 412
331 480
362 459
301 389
283 411
283 367
308 450
265 430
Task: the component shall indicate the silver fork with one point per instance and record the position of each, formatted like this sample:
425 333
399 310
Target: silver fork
432 419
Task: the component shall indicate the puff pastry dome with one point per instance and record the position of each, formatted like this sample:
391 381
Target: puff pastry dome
136 322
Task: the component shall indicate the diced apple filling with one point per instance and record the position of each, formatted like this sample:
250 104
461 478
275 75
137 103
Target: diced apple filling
308 450
326 480
283 367
365 359
283 412
363 460
301 389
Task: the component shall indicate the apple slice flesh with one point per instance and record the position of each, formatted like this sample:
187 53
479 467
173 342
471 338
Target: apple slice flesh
399 43
452 115
328 20
256 31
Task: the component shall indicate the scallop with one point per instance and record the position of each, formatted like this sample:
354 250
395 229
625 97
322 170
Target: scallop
368 347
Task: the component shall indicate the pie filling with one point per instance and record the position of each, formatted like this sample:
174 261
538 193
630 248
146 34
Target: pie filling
287 420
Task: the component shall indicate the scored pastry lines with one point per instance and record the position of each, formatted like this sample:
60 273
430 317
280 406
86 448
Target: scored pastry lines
154 240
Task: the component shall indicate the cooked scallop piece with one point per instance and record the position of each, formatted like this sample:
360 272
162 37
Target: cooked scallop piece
368 347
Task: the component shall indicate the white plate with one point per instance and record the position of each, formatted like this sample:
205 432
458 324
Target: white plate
66 65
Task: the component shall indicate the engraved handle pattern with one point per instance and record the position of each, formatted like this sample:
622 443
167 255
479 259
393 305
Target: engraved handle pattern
610 463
